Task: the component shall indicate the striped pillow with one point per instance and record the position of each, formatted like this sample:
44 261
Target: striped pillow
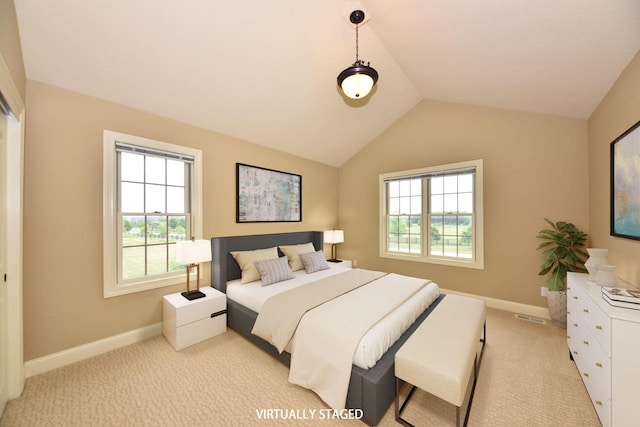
314 261
273 270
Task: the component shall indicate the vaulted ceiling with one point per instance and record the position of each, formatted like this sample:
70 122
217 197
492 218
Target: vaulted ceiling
265 71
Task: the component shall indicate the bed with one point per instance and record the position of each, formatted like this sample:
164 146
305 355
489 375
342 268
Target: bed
372 390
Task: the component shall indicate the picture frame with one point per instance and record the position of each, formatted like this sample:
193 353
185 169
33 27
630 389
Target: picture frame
625 184
267 195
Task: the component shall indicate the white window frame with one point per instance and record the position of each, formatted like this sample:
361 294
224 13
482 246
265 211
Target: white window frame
110 215
477 262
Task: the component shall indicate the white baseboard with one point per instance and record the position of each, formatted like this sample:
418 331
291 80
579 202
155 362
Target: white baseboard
515 307
86 351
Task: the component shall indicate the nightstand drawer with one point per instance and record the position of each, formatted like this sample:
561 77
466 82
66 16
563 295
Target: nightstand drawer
200 330
200 309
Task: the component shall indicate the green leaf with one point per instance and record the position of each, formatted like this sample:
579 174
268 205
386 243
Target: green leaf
561 251
544 245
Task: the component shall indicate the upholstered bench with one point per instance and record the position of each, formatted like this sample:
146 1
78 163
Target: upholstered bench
440 356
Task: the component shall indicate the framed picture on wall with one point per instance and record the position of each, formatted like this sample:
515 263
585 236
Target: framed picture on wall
267 195
625 184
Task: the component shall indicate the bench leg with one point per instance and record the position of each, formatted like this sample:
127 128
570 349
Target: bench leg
400 408
476 368
483 340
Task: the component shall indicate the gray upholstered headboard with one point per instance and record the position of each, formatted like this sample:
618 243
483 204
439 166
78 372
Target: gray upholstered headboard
225 268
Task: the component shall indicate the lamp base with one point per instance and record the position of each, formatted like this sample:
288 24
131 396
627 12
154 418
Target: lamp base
334 260
193 295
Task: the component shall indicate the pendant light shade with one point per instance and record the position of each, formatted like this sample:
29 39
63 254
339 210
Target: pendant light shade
357 81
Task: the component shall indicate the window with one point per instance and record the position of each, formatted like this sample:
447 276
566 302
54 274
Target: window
152 199
433 215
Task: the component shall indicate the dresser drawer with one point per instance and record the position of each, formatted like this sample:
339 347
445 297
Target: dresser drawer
603 409
575 328
596 366
598 323
575 296
576 325
580 346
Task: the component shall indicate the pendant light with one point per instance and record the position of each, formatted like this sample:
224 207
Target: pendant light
357 81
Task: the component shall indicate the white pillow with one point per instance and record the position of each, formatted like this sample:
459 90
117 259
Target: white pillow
314 261
274 270
245 260
292 252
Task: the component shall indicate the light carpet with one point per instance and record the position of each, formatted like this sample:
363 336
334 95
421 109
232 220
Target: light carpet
526 379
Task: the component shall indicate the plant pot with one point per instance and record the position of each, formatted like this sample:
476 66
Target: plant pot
557 304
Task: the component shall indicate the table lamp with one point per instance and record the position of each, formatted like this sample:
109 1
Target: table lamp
192 253
334 237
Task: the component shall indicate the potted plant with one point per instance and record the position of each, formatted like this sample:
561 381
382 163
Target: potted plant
562 252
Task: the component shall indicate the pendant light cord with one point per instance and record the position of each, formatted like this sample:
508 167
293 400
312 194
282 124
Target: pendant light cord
357 60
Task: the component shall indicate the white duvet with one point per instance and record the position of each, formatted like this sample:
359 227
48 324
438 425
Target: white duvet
375 342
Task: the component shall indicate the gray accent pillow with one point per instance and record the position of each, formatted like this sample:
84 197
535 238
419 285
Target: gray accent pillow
314 261
273 270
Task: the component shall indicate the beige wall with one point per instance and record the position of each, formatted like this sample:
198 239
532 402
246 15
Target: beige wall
63 302
535 166
10 49
619 110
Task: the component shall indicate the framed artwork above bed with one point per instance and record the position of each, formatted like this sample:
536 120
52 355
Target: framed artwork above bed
267 195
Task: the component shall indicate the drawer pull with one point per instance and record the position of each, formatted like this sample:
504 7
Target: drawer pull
586 310
575 324
599 365
218 313
568 337
575 297
575 352
599 327
586 374
598 402
586 342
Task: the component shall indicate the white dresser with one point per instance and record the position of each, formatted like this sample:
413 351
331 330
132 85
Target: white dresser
605 344
185 322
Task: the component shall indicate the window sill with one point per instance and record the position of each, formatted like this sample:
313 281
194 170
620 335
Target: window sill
112 289
473 264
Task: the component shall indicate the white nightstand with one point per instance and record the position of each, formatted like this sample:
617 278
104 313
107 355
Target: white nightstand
185 322
346 263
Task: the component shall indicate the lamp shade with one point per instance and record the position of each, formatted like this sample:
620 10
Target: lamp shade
193 251
334 236
358 80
